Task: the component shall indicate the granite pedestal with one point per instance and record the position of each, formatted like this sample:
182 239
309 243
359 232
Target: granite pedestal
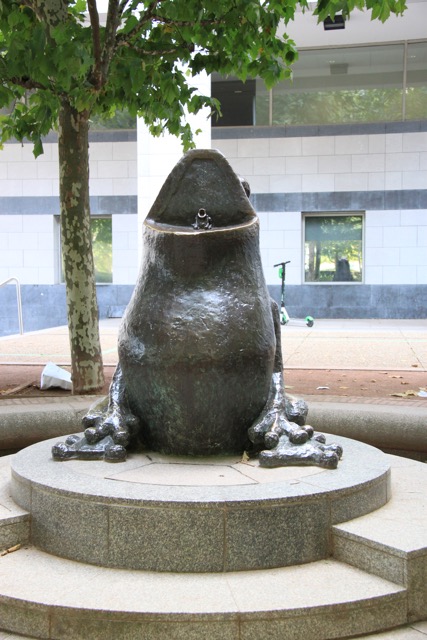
164 513
211 549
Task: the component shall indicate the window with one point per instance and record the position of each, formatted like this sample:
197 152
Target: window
120 120
102 246
237 102
333 247
416 82
333 86
342 85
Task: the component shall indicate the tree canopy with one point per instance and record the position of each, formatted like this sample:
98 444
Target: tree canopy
140 55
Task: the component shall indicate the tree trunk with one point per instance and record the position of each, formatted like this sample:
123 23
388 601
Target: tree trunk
82 307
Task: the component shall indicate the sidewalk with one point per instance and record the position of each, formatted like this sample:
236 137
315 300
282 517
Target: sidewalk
329 344
358 358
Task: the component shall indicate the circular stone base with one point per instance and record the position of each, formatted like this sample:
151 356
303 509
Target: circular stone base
182 514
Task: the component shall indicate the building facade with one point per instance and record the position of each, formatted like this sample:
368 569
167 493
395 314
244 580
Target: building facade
336 161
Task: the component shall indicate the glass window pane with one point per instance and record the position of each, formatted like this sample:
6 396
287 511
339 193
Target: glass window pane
333 248
332 86
121 120
416 82
102 246
262 104
237 100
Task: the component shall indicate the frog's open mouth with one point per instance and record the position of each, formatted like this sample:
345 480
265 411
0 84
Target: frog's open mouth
202 193
190 230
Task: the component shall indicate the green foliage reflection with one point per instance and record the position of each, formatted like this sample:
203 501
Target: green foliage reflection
333 248
102 244
335 107
121 119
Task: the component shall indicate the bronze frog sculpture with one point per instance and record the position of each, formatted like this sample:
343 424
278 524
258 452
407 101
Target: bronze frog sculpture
200 359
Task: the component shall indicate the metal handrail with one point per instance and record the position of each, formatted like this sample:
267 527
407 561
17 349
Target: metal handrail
18 299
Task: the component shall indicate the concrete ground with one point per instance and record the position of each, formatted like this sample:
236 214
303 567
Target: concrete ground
345 358
329 344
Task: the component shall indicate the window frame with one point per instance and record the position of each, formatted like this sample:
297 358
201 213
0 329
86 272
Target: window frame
59 277
333 214
403 73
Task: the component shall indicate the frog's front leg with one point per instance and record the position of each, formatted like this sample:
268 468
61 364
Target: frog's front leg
109 426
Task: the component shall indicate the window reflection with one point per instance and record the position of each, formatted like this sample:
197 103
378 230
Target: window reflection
342 86
382 83
333 248
416 82
102 247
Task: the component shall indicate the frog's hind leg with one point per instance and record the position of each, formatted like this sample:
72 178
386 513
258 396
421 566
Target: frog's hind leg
109 425
274 420
281 427
116 419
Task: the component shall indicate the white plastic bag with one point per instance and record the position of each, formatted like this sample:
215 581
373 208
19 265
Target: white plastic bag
54 376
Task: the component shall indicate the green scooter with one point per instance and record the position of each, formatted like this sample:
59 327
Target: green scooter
284 316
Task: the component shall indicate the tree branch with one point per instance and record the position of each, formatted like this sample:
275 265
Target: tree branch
122 6
112 24
148 15
189 23
94 21
157 52
27 83
50 13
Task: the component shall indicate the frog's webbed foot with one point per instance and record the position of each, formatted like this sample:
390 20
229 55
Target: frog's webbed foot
296 410
79 447
109 426
312 452
114 420
281 429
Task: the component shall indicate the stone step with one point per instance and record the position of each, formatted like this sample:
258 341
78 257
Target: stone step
392 541
14 521
47 597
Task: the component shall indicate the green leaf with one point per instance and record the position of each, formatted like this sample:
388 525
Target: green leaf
38 148
80 5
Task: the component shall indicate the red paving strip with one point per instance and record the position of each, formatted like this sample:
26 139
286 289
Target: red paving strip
400 402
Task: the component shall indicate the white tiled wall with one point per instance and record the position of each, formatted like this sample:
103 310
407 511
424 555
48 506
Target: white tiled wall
335 163
125 248
395 241
281 240
29 247
396 250
113 168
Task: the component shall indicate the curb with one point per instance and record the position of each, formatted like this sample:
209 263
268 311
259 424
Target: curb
394 427
24 422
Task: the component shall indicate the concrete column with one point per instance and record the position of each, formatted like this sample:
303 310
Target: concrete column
158 156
